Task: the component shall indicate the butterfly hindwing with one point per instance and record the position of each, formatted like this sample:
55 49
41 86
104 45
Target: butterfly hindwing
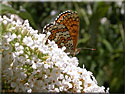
61 36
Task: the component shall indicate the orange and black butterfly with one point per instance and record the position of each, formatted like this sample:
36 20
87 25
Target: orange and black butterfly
65 31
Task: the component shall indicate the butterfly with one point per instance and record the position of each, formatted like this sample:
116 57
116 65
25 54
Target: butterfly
65 31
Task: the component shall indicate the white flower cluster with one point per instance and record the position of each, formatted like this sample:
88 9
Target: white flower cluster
31 65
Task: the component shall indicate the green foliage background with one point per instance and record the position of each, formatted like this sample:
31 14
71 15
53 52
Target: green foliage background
108 38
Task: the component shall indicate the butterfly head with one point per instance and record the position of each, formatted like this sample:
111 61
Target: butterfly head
74 52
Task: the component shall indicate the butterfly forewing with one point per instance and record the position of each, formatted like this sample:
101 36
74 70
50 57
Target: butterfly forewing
62 15
71 21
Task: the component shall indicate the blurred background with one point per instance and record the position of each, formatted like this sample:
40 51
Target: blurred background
101 27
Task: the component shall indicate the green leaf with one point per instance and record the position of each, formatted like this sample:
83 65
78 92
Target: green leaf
23 14
107 44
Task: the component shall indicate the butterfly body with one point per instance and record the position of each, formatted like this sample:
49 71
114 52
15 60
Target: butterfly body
64 31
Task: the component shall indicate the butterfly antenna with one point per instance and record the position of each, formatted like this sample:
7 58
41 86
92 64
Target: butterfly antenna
89 49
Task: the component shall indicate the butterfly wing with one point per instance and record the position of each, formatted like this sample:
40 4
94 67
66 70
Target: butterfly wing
62 15
61 36
71 21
